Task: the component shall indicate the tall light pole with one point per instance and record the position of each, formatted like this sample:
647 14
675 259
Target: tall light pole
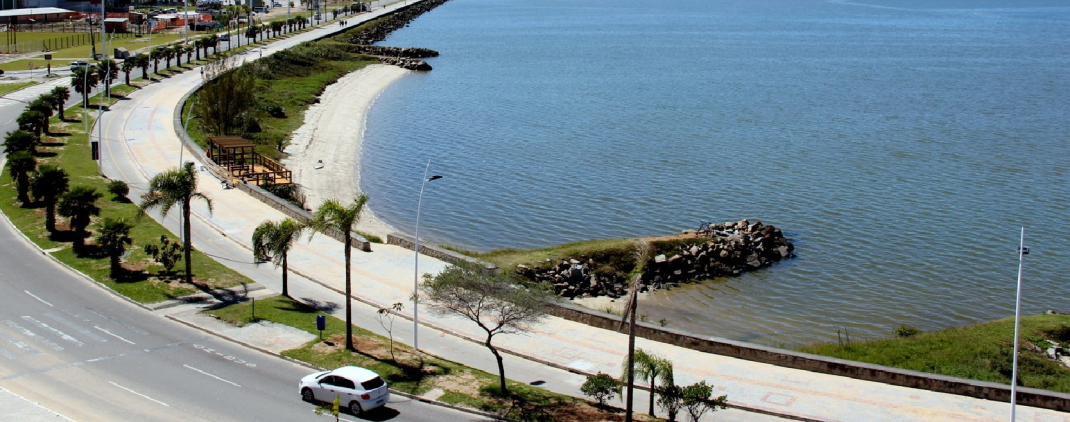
416 262
1022 252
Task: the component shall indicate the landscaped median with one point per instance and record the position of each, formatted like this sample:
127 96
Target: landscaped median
409 372
66 145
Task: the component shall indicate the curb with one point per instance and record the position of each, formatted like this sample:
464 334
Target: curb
311 366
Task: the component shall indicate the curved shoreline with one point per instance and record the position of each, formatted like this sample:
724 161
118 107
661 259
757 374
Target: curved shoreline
333 131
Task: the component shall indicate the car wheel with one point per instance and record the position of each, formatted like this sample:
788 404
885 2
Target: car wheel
306 395
355 408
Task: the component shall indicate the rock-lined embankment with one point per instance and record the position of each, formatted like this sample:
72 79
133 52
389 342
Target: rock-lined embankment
377 30
725 249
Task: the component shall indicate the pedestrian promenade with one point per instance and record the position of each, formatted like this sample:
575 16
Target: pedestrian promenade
140 141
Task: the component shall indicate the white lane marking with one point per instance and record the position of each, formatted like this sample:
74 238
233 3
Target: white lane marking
35 297
26 332
213 376
142 395
113 334
75 327
7 354
6 391
25 347
120 323
59 333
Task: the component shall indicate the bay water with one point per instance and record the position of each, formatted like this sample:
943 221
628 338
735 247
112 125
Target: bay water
901 145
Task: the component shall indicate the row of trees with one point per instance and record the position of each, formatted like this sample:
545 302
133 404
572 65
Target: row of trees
695 399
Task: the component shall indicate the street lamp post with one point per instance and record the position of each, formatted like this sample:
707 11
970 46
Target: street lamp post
1022 252
416 262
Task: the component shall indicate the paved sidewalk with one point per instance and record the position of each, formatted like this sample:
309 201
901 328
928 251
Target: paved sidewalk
141 141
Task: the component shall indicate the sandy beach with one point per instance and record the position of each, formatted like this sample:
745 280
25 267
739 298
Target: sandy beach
332 134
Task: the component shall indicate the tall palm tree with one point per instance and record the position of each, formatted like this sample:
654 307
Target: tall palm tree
20 164
642 253
107 72
275 240
650 367
332 215
30 121
79 204
83 80
113 236
175 187
44 108
128 66
47 184
143 61
20 140
61 95
199 44
155 55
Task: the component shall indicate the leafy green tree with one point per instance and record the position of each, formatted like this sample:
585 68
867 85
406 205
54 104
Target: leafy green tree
601 387
83 81
175 187
671 399
227 97
107 72
20 165
20 140
113 236
47 184
168 253
490 300
118 188
273 241
60 96
650 367
332 215
79 205
697 401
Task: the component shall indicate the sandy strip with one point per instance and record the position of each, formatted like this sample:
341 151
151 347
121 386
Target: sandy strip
333 132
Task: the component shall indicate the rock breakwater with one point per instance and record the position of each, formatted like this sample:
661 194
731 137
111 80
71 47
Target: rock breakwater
723 249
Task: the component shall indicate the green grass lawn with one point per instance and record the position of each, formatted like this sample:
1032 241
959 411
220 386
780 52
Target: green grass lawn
462 385
145 281
7 88
510 258
981 352
62 58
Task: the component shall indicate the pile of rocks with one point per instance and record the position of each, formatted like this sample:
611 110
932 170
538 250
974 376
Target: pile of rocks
731 249
378 29
406 63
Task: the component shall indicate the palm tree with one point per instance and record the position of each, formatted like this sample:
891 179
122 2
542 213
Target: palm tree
30 121
47 184
61 95
20 164
84 81
198 45
79 204
128 66
650 367
175 187
20 140
642 253
332 215
107 72
213 41
113 236
155 55
168 55
188 49
273 241
44 108
143 61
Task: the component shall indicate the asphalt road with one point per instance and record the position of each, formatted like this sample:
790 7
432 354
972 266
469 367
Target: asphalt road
80 351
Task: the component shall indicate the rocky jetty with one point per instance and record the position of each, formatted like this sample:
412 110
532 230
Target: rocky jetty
378 29
721 249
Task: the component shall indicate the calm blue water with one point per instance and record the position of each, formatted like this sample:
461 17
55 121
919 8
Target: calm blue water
900 144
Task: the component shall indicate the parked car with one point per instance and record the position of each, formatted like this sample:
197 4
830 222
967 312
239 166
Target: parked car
224 37
80 65
357 388
277 4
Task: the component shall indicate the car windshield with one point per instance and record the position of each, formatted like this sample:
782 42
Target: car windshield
372 383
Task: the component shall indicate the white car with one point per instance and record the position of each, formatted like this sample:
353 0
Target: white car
356 388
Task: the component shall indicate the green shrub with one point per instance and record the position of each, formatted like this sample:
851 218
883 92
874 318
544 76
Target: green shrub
118 188
601 387
905 331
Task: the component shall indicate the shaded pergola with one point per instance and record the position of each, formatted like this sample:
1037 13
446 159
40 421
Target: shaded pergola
239 157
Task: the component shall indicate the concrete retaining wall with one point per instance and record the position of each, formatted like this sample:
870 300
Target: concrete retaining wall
791 359
435 252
